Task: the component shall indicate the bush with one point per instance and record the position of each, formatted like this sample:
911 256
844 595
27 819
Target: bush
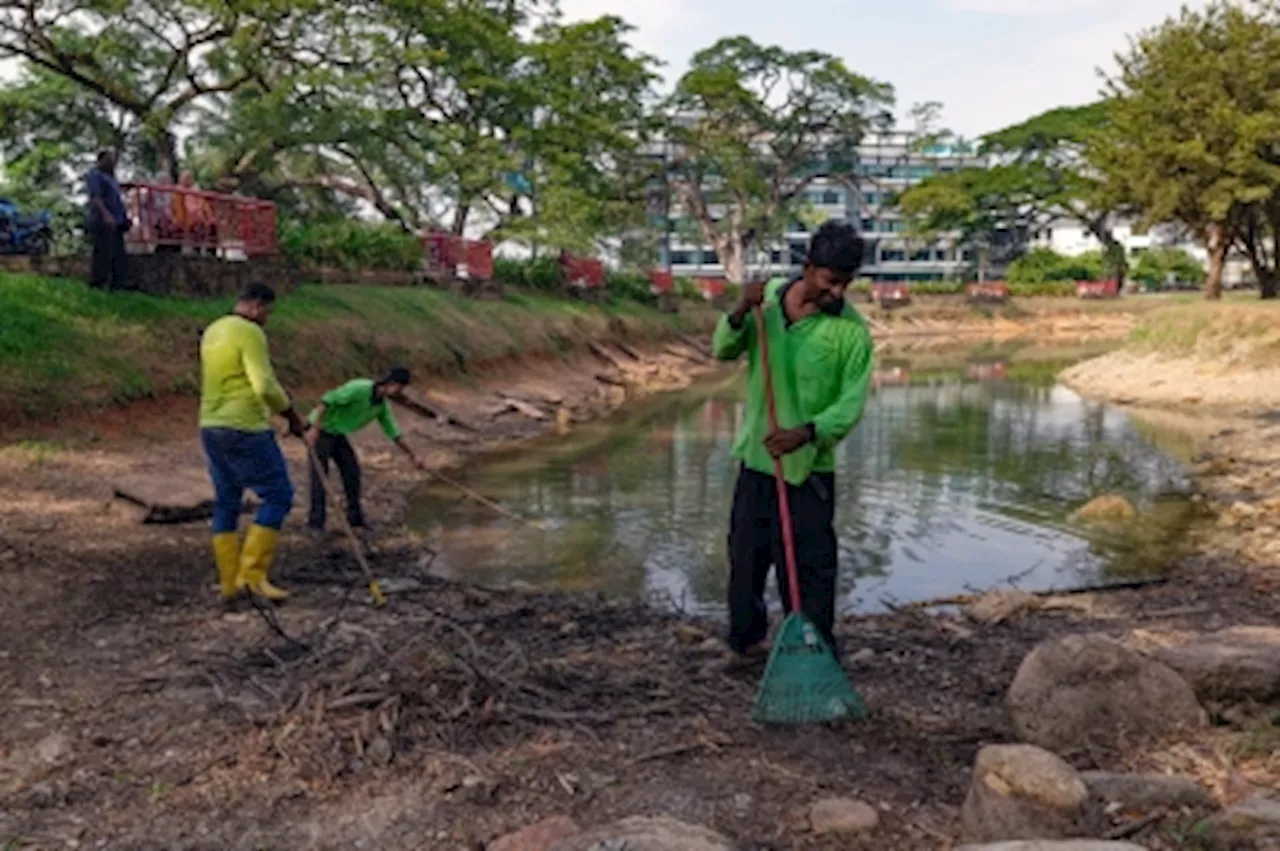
542 274
629 285
1158 265
1042 265
351 244
686 289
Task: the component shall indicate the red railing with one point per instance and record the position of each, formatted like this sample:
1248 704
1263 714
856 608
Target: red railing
581 271
177 217
661 282
1097 289
890 293
449 255
989 291
711 288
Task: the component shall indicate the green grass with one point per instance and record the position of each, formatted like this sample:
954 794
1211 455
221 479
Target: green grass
64 345
1233 332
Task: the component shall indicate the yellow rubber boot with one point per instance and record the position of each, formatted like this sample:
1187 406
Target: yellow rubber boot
255 561
226 554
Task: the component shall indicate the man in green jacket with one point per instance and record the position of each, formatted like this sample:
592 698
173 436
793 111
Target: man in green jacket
820 353
341 413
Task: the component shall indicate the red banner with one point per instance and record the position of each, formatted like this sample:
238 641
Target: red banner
581 271
661 282
993 290
712 288
1097 289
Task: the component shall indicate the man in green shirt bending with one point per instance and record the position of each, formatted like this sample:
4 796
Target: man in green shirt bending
342 412
820 353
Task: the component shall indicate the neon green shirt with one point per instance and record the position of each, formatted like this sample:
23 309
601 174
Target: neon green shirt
821 375
351 407
239 389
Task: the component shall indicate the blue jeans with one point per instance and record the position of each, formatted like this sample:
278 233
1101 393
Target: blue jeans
246 459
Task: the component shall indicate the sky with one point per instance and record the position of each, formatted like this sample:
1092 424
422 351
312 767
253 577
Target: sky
991 63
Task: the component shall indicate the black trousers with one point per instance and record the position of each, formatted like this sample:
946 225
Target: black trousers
337 448
755 545
109 267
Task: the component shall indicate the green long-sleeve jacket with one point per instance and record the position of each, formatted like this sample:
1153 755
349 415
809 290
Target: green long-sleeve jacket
821 375
239 389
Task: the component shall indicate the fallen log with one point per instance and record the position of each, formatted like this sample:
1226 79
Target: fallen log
524 409
966 599
694 356
605 355
423 409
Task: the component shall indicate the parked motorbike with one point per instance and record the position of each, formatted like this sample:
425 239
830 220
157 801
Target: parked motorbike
24 234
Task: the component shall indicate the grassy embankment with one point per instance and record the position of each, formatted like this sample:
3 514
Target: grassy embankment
64 346
1216 358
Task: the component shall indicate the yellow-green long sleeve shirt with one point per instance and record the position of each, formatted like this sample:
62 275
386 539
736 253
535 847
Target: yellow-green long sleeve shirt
821 375
239 389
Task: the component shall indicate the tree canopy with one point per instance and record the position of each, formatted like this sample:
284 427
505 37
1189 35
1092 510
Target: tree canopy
749 128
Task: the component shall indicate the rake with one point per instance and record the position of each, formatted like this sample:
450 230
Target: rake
803 681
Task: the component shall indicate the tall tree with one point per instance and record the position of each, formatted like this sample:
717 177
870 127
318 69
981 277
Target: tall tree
148 58
749 128
1194 135
1036 172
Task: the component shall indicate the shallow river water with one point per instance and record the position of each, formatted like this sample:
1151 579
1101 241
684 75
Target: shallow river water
958 479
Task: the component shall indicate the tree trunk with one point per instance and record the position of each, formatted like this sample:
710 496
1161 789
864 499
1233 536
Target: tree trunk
1267 283
168 152
733 258
460 216
1216 243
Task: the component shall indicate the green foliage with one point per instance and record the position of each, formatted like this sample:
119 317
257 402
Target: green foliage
1194 134
542 273
1041 265
631 286
351 244
1163 264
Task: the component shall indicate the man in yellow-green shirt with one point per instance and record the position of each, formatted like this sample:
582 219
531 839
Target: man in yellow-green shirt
342 412
239 393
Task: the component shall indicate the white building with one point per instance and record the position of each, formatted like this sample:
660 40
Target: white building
883 165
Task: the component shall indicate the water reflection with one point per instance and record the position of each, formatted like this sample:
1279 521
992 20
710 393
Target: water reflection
954 481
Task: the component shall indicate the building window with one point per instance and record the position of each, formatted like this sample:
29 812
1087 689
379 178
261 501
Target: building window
798 227
799 253
710 258
832 197
871 198
921 256
941 255
893 255
868 225
775 257
681 258
967 255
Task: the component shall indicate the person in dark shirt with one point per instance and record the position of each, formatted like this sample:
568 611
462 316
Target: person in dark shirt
107 224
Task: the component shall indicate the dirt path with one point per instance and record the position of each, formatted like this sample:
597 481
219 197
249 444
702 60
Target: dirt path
135 714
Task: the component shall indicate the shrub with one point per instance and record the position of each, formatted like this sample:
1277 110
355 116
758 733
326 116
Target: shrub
351 244
628 285
1041 265
1160 264
542 274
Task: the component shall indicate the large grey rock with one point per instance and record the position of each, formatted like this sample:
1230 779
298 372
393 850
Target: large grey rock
1055 845
1024 792
1247 824
1242 663
647 834
1146 791
1082 689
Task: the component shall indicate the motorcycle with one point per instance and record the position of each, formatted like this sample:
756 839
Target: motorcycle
24 234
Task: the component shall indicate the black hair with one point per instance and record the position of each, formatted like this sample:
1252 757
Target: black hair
257 292
836 246
102 155
396 375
